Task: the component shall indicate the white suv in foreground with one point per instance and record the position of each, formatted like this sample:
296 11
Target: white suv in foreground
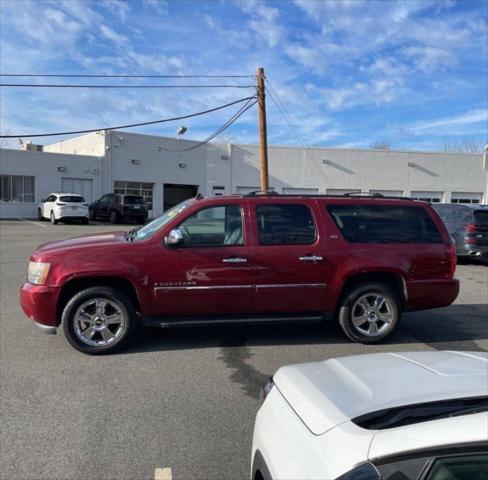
63 206
389 416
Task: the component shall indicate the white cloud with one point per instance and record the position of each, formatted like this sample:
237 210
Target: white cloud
112 35
467 118
431 59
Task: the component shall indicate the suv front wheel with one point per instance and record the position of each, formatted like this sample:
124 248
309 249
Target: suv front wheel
99 320
369 312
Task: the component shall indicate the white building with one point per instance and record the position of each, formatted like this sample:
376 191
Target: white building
165 171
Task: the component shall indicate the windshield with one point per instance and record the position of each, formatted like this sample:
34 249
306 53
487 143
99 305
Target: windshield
72 199
130 200
151 228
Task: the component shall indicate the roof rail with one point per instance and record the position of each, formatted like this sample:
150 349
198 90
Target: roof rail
260 192
364 194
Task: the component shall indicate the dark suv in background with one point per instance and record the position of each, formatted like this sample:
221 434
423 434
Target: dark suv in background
468 225
115 208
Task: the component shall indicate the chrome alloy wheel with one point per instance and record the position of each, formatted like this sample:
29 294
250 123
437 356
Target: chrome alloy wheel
372 314
99 322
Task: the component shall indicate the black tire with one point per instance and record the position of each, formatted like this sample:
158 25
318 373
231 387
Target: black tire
91 214
39 215
352 306
84 221
113 218
53 218
114 296
141 221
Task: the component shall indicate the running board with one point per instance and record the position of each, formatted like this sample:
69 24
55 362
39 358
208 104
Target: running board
171 322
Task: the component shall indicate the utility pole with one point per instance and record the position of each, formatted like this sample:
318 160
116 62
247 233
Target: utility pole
263 136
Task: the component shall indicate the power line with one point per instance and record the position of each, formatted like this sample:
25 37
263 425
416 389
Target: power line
287 118
63 85
226 125
65 75
119 127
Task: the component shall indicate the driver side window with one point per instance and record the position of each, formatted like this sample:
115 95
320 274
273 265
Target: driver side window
213 227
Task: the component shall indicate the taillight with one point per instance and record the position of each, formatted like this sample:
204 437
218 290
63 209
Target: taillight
451 253
471 228
59 204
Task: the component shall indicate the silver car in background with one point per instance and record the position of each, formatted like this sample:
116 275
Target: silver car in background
468 226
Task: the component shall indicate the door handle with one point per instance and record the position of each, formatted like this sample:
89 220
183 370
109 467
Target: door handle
311 258
234 260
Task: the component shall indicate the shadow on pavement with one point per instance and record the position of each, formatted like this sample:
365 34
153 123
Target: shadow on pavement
463 324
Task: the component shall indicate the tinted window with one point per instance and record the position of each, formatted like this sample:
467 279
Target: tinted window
213 227
132 200
72 199
481 218
285 225
384 224
465 467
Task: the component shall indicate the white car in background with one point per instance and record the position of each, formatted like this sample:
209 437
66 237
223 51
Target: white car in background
63 206
389 416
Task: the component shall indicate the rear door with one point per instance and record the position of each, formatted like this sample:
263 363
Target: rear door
289 257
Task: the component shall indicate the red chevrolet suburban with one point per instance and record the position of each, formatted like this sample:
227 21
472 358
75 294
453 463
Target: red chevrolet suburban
251 258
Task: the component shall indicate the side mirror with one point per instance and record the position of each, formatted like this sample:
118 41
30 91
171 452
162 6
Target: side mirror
174 238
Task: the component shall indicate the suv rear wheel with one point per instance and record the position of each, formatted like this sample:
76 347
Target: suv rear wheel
99 320
113 218
369 312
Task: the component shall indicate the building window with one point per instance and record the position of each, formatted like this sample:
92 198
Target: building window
431 197
17 188
136 188
464 197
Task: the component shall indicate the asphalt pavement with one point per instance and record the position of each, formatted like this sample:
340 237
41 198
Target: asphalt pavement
176 403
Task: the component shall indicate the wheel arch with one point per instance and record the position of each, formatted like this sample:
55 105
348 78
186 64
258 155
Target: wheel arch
394 280
74 285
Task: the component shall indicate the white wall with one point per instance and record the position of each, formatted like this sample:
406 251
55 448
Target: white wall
89 144
44 167
235 167
363 170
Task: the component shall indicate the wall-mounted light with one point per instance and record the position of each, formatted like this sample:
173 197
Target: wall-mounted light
182 165
224 157
62 169
135 161
411 164
325 161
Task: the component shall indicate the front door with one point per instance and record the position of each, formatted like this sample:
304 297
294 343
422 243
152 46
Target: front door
289 256
210 272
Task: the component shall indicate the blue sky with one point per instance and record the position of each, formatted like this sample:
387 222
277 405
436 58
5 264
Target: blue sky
349 73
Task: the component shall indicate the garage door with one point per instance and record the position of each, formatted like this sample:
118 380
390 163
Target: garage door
465 197
82 186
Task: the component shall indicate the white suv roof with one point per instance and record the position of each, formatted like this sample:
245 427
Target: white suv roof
325 394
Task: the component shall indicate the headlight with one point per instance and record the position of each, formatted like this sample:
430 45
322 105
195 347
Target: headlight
37 272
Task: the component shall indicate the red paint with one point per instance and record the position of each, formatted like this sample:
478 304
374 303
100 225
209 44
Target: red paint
425 269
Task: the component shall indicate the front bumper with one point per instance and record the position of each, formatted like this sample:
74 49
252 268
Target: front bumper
39 304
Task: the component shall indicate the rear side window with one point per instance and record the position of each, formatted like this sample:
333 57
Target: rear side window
132 200
481 218
281 224
72 199
384 224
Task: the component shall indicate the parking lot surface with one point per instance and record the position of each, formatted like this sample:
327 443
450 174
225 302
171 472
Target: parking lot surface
180 400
